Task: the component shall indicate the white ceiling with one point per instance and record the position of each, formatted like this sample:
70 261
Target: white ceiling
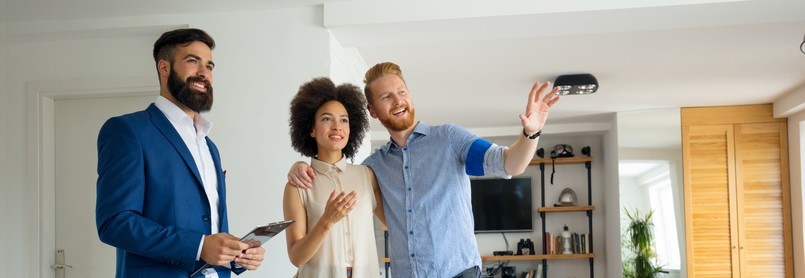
472 62
476 70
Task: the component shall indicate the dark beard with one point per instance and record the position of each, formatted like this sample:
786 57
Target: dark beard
192 98
401 124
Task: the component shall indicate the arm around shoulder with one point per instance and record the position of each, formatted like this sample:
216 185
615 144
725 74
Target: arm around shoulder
301 175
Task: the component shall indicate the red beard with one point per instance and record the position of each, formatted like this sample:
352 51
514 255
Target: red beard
398 124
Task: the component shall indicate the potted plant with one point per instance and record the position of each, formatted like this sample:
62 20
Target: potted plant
638 244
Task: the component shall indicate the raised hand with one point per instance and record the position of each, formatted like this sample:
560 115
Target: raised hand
538 106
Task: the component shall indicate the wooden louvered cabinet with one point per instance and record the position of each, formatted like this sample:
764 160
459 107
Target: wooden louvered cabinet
737 211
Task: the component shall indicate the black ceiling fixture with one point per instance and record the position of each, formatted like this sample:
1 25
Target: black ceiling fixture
802 46
576 84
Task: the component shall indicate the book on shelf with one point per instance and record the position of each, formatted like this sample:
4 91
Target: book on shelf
583 242
559 245
579 244
538 272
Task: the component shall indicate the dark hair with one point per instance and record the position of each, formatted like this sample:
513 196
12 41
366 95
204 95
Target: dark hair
313 95
165 46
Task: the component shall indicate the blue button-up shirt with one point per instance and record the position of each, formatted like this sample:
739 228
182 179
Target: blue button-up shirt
427 200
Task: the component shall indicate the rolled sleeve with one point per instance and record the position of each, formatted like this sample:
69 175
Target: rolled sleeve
493 162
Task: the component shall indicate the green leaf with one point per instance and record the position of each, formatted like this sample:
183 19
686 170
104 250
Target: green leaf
641 261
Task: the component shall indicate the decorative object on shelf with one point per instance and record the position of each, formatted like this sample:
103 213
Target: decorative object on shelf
521 247
525 247
566 241
585 151
562 150
639 247
576 84
567 198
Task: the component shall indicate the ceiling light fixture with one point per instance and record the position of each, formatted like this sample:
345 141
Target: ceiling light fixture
576 84
802 46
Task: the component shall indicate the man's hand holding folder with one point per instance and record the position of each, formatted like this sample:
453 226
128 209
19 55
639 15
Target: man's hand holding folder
222 248
246 252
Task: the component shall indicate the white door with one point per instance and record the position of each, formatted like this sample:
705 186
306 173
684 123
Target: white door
76 126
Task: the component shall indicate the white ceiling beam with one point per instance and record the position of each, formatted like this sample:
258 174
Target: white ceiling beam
380 12
383 23
790 103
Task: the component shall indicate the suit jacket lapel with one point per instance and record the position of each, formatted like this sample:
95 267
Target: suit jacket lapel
216 158
167 130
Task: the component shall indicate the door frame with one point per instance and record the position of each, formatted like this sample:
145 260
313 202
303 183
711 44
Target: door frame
40 176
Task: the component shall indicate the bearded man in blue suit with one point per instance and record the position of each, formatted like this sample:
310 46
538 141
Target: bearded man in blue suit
161 195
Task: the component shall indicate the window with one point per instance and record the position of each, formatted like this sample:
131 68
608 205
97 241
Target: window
665 235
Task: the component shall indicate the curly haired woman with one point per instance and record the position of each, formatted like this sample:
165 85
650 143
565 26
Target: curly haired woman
334 231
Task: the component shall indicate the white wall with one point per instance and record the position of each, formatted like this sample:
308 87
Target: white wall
611 205
347 66
262 57
633 196
791 105
796 135
7 193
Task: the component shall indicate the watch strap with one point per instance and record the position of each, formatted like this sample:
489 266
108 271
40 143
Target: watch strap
534 136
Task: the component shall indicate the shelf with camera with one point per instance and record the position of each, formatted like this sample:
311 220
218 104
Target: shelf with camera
586 159
561 155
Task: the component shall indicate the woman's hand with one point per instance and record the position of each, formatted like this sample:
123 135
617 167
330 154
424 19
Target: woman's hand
338 206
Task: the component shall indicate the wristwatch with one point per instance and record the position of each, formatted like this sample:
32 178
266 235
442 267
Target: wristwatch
534 136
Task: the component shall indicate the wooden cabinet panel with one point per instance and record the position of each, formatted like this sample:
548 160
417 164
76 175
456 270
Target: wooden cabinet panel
761 203
707 156
737 210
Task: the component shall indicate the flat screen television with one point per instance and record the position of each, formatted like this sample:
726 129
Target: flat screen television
502 205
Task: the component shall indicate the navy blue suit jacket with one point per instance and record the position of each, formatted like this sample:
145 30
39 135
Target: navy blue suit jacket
151 204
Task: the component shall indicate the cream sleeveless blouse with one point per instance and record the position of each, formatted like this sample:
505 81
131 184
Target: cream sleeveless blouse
353 238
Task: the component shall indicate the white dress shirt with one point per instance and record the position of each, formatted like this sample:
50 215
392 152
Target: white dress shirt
194 135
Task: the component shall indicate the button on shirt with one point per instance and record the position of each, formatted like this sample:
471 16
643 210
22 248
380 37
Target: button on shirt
427 200
194 134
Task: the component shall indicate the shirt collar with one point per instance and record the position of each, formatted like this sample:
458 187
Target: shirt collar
324 167
202 125
421 129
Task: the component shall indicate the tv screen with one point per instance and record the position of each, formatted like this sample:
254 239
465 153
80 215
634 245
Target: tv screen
502 205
